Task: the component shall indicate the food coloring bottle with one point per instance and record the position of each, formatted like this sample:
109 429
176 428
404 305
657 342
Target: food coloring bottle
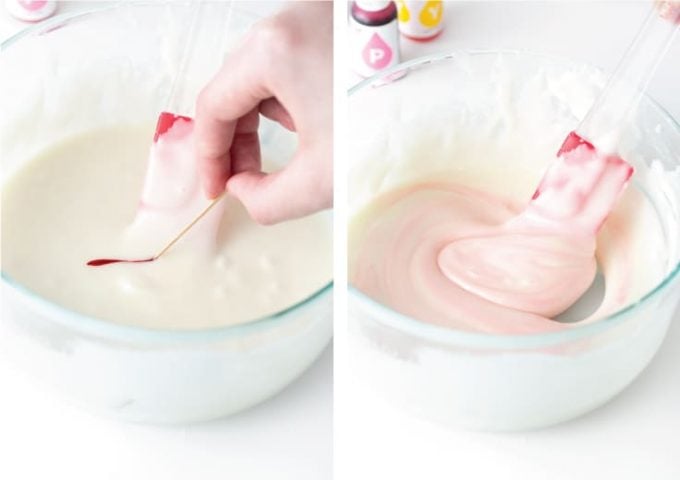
420 20
374 36
31 10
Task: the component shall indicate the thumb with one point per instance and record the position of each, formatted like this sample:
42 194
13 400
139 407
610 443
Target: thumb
271 198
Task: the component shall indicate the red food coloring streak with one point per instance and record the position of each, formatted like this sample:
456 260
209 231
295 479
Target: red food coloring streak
106 261
165 121
613 173
572 141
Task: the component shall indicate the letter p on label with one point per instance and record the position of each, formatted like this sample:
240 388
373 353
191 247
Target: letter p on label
377 53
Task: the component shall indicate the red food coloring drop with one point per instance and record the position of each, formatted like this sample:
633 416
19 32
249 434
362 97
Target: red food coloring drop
99 262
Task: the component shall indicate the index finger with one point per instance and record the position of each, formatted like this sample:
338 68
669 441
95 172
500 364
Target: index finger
233 92
669 9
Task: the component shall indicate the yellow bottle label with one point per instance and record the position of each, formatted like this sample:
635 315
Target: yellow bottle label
431 14
404 14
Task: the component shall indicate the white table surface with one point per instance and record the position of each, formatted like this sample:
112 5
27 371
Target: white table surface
287 437
637 435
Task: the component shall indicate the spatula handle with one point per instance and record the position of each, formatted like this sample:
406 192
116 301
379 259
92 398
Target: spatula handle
201 47
620 97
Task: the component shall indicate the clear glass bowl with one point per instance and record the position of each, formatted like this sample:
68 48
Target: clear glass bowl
66 76
500 382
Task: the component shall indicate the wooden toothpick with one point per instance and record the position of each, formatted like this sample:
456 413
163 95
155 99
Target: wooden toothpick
99 262
188 227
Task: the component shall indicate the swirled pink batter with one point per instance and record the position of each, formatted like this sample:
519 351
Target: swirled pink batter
453 256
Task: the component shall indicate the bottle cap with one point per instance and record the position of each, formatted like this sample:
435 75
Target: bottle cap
31 10
373 5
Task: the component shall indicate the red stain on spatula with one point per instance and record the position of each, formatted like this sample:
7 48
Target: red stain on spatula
165 121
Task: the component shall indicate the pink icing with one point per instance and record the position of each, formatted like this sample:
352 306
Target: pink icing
528 271
457 257
395 257
543 260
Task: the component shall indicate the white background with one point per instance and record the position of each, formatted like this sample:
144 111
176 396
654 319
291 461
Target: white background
637 435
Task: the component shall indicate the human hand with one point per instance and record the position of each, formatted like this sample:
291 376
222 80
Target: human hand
669 9
282 70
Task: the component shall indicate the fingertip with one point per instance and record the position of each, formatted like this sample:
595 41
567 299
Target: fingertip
211 195
213 189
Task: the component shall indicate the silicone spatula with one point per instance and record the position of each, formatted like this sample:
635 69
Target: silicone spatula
181 96
579 191
169 194
543 260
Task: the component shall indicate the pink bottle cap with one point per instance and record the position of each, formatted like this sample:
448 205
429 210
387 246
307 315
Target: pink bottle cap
31 10
373 5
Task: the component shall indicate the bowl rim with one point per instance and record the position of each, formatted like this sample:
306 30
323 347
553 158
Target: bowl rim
124 332
59 19
449 335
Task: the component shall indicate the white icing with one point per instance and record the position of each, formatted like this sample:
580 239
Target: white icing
75 203
54 99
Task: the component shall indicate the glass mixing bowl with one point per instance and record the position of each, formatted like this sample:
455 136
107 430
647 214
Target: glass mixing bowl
485 381
102 68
